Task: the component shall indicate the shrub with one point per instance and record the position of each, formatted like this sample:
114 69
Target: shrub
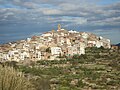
11 64
10 79
76 56
41 83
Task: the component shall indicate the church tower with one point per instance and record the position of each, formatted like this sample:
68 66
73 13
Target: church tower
59 27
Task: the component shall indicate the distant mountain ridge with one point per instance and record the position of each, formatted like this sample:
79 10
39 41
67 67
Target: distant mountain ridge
118 44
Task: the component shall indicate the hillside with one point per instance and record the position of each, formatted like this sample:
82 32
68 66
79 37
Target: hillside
97 69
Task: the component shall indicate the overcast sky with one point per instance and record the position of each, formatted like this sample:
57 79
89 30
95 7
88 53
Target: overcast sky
20 19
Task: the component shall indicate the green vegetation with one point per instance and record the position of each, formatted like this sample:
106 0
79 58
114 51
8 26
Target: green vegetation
97 69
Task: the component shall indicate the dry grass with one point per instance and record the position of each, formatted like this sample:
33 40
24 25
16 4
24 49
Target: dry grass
10 79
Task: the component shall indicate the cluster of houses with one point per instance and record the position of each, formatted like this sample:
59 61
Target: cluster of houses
51 45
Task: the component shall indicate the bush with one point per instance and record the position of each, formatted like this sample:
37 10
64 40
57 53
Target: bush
10 79
41 83
11 64
76 56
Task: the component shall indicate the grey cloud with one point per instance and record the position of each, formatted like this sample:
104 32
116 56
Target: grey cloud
76 12
115 6
51 11
43 15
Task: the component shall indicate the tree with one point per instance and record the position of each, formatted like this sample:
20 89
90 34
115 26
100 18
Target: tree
48 50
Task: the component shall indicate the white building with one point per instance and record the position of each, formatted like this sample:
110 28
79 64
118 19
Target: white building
73 31
99 44
85 35
68 42
28 39
1 55
48 34
72 50
56 50
82 48
23 55
38 55
13 55
92 42
106 42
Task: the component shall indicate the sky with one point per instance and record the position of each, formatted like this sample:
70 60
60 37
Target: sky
20 19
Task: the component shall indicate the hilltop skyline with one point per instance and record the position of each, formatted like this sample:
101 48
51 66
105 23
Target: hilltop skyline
20 19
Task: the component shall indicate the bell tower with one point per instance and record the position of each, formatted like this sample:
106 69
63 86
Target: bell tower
59 27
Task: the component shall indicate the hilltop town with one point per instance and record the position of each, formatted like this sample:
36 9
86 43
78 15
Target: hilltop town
61 60
51 45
